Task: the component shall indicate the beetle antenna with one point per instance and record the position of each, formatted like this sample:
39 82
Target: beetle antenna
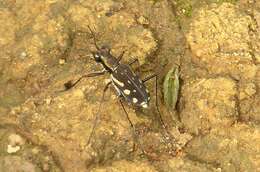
94 38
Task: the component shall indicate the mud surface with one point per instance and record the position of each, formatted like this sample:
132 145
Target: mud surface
214 127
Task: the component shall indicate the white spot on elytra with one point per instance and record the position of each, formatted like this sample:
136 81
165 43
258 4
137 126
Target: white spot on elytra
121 84
134 91
135 100
128 82
127 92
144 104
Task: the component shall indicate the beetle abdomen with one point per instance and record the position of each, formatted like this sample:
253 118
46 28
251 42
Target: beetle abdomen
130 86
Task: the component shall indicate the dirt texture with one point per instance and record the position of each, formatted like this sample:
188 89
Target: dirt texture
214 127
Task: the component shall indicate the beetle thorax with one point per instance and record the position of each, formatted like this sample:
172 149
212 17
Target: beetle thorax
109 62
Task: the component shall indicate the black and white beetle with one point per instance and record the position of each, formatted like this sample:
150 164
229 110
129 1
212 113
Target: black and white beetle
128 85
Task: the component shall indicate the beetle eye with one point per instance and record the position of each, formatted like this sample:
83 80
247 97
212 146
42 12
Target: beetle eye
97 57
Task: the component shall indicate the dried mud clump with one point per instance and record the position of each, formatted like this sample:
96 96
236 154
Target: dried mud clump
230 149
209 103
17 153
219 38
221 105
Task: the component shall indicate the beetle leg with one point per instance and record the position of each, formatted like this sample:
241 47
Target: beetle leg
68 85
150 77
133 127
133 61
98 112
120 56
168 136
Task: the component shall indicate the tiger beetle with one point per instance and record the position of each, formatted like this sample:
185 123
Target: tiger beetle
129 87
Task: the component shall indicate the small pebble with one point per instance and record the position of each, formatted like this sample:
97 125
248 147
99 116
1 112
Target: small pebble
142 20
15 139
12 149
35 150
48 101
250 89
23 54
62 61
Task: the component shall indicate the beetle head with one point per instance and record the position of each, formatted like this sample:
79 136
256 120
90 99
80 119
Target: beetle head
101 54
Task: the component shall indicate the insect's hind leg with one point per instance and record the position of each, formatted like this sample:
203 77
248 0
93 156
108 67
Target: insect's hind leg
133 127
168 135
98 112
135 60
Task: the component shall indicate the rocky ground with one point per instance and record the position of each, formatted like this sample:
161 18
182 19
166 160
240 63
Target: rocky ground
214 127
